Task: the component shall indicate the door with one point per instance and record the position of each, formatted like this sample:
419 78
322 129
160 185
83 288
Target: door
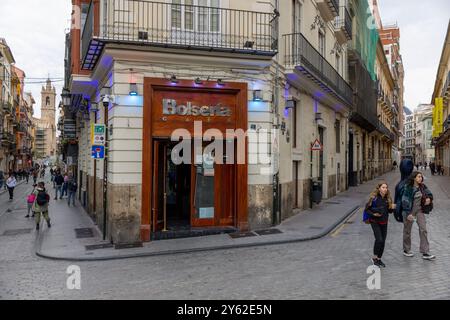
321 159
213 193
159 196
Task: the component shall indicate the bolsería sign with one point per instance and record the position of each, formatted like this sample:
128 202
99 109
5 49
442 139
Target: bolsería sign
170 107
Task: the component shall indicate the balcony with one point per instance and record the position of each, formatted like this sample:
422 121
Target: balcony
343 26
447 124
8 138
385 131
302 56
446 89
6 107
329 9
176 26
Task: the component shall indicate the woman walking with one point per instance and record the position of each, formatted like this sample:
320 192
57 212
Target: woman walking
30 201
40 205
417 201
378 209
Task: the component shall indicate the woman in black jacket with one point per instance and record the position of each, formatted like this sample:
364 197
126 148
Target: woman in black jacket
379 207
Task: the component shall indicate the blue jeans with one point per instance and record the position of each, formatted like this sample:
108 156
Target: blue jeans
71 196
64 189
58 188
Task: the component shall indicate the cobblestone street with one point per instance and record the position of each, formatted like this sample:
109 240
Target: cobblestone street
333 267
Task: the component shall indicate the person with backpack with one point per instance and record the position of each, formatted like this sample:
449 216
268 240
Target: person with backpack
377 215
72 187
30 201
11 183
65 185
59 181
417 201
406 169
41 205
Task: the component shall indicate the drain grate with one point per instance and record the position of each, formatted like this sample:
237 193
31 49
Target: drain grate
98 246
315 228
16 232
128 245
238 235
268 232
333 202
84 233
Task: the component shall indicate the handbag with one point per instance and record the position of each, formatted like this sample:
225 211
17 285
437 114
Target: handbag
367 215
426 209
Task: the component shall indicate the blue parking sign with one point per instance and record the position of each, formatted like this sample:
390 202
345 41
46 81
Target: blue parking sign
98 152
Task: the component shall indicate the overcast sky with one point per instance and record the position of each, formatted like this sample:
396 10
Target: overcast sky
35 30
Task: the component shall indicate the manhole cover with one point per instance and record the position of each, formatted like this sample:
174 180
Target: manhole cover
241 235
268 232
98 246
15 232
128 245
84 233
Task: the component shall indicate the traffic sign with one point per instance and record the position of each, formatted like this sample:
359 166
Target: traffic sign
98 152
98 134
317 146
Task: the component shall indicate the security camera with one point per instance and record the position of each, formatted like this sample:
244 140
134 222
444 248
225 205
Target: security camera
105 101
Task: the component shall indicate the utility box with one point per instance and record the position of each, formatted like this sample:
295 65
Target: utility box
316 191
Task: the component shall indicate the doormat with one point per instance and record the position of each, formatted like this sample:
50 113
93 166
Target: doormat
16 232
99 246
128 245
84 233
239 235
268 232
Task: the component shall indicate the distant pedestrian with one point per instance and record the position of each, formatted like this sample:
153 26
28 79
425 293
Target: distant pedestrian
72 186
2 179
433 168
426 166
395 165
35 175
417 166
30 201
27 175
58 181
65 185
379 206
417 201
11 184
41 205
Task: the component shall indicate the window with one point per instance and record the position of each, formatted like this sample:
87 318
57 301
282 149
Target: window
322 43
196 15
337 127
47 101
338 63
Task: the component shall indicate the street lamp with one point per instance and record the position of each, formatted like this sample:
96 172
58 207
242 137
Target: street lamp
66 97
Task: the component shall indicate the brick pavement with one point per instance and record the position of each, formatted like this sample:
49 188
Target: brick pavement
333 267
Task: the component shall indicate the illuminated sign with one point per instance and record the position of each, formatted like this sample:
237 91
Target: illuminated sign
170 108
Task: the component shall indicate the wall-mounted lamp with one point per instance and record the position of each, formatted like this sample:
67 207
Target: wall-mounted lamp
94 107
318 117
291 104
133 89
174 79
198 81
257 95
220 82
66 97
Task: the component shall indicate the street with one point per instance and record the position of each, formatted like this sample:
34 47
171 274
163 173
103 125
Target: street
334 267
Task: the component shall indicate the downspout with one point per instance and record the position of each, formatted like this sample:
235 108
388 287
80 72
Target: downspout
276 178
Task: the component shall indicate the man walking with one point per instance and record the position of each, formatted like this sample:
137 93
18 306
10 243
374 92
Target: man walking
41 205
72 186
11 184
58 181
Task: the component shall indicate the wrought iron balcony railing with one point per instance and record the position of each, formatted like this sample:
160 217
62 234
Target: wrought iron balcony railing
299 53
446 88
385 131
447 123
178 26
344 23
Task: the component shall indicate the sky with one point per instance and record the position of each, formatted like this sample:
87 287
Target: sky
35 32
35 29
423 27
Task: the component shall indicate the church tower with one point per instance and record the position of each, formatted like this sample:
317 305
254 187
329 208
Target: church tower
48 101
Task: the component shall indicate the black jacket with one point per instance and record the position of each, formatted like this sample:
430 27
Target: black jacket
382 207
59 180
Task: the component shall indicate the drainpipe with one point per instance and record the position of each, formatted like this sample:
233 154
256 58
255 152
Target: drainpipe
276 178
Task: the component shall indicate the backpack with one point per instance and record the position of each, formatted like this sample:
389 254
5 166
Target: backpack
42 198
31 198
366 215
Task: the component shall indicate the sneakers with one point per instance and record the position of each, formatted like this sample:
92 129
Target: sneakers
428 256
408 254
378 263
381 264
27 216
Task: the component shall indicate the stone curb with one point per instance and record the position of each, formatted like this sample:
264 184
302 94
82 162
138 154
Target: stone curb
39 241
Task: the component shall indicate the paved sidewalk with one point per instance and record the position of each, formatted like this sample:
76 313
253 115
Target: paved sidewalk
60 242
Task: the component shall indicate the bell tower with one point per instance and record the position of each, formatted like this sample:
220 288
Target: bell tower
48 101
